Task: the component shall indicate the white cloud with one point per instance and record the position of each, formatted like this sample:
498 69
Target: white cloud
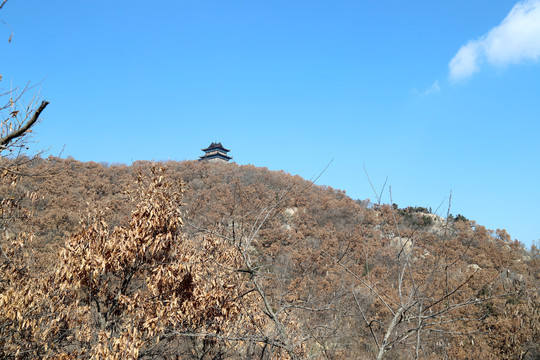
434 88
514 40
465 63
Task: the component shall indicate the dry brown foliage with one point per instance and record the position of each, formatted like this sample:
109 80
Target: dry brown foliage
128 290
266 266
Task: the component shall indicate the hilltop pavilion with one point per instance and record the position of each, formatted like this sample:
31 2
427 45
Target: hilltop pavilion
215 153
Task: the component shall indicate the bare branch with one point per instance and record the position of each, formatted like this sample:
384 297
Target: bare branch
4 142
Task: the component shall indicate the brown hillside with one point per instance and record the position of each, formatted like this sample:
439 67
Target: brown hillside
316 274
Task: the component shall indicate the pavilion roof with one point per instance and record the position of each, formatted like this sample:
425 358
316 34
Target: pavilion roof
216 155
215 146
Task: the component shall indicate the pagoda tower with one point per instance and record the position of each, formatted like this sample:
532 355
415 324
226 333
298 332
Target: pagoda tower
215 153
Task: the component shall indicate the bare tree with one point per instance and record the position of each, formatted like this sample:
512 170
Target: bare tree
16 117
410 298
287 307
17 122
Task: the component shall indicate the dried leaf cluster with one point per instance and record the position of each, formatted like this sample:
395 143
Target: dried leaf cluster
129 292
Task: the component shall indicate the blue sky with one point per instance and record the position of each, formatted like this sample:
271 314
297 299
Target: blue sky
439 96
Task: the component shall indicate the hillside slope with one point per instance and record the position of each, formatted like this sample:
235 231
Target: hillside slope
335 278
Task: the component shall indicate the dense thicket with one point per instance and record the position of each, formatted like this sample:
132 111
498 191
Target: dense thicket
292 269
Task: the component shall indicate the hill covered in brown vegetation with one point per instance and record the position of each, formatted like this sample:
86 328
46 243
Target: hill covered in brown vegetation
215 261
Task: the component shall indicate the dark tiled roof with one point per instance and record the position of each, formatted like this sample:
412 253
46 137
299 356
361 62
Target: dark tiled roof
213 156
215 146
